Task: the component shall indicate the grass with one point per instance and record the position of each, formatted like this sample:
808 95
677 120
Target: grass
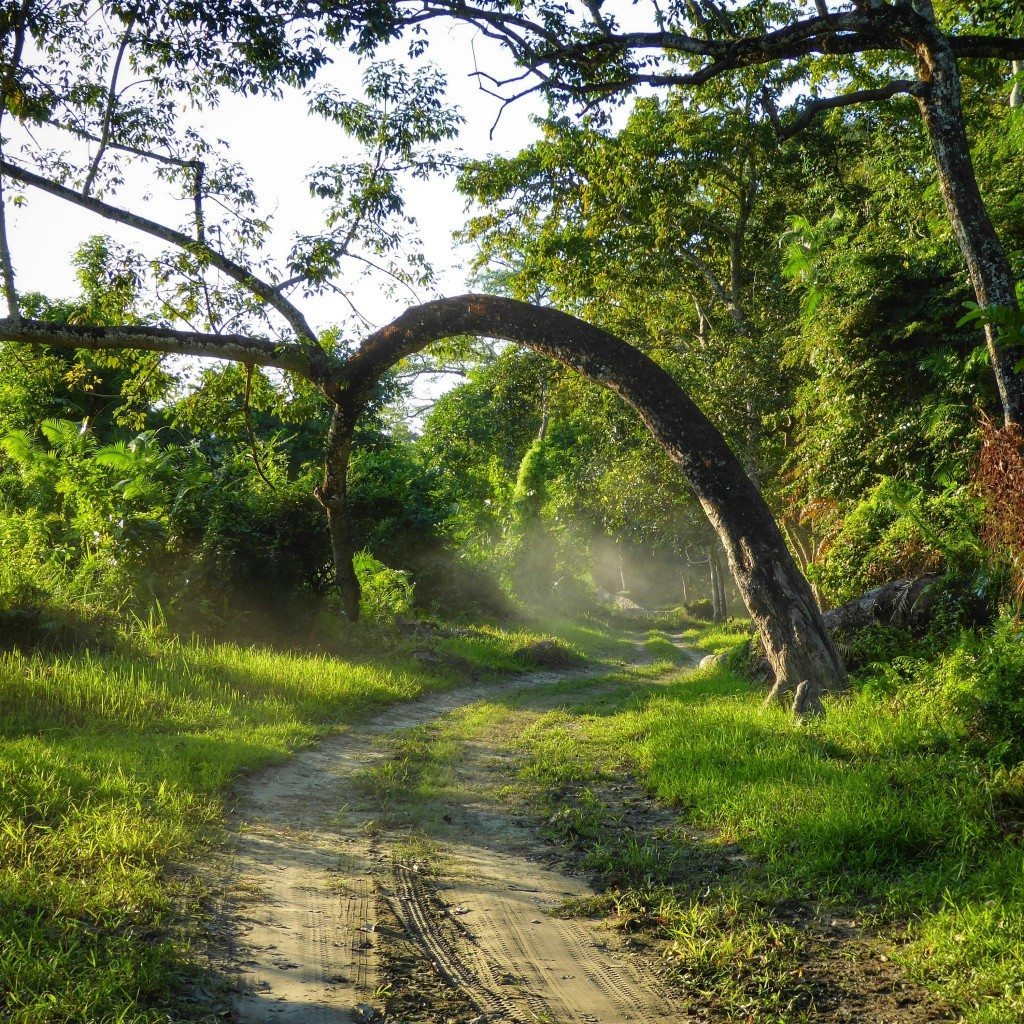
720 638
881 813
114 767
880 809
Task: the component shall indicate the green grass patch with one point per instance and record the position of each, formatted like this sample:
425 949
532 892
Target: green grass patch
880 808
661 647
115 766
594 637
720 637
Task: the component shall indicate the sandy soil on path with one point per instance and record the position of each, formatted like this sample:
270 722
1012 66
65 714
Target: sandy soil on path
317 896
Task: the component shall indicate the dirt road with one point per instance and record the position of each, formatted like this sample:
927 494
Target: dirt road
331 911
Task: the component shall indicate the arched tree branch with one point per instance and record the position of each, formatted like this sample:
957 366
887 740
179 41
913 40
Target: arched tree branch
315 366
776 594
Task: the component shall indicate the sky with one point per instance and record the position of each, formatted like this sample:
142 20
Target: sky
278 143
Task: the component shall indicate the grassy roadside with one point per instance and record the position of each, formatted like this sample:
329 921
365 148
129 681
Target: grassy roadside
116 766
790 871
876 814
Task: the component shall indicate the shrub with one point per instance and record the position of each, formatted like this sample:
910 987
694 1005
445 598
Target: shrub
897 530
387 592
450 584
999 476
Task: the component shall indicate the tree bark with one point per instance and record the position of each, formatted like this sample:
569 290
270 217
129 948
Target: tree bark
718 608
333 495
775 592
987 262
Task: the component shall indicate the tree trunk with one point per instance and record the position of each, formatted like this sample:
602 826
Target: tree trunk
718 608
713 581
776 594
987 263
333 495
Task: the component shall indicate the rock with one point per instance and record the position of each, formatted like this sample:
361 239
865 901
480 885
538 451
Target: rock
710 661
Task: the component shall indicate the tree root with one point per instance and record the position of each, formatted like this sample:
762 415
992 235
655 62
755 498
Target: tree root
806 698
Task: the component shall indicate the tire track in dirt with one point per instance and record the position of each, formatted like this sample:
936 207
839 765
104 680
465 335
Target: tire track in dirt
529 964
306 874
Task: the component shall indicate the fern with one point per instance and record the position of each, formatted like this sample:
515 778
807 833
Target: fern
117 456
65 435
20 447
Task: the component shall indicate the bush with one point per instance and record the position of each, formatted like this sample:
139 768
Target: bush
387 592
972 688
451 585
40 608
702 609
895 531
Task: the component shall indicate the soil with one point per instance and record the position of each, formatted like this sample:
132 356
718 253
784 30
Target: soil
334 921
454 911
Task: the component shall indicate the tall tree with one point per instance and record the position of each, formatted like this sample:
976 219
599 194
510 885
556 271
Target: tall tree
663 231
868 51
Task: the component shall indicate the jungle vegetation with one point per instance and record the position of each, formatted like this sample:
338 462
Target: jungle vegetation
744 338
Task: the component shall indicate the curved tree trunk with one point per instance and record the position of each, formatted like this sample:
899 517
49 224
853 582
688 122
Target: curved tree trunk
774 590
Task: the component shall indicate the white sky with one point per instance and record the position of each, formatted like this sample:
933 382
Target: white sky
277 142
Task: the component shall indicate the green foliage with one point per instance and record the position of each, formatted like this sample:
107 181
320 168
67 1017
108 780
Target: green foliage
899 530
975 684
123 526
386 593
1008 324
402 125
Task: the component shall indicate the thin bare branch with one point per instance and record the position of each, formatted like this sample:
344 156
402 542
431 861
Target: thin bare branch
849 99
109 107
717 288
197 201
243 276
146 154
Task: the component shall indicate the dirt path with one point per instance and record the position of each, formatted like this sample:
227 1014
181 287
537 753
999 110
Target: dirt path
323 897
